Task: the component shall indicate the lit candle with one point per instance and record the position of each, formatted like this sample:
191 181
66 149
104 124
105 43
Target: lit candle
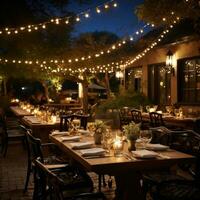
53 119
151 110
118 146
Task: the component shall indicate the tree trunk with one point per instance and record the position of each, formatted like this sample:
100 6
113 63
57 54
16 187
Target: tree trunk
4 87
85 96
46 91
107 83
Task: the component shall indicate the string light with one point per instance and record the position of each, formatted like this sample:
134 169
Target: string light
58 21
110 67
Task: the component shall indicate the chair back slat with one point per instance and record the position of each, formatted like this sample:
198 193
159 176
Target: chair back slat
156 119
136 116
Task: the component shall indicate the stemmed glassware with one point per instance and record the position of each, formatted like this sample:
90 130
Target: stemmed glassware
145 137
108 139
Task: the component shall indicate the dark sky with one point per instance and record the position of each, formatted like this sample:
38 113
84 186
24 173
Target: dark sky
120 20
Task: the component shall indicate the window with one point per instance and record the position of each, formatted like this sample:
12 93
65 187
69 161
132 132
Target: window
135 78
189 80
159 87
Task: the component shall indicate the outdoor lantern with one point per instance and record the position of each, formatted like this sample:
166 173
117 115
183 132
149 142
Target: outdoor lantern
169 63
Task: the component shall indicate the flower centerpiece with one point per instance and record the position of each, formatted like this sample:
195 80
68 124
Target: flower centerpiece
99 129
131 131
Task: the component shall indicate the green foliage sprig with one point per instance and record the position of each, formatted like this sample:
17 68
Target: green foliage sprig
132 130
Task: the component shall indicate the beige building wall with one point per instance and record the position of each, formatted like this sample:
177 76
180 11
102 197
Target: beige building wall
158 55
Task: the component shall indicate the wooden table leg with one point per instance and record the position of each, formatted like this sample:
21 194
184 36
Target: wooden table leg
128 186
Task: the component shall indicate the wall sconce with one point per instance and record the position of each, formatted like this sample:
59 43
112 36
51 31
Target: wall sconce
169 63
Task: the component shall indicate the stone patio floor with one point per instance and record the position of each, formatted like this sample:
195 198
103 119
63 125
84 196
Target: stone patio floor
13 174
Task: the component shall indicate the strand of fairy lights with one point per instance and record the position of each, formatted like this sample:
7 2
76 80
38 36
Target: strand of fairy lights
109 50
98 69
61 20
110 67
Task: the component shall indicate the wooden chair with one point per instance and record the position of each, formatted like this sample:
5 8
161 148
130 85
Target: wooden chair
8 135
60 184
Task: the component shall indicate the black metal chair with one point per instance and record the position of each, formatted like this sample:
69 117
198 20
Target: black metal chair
137 118
34 150
65 121
52 161
124 116
156 119
185 141
8 135
182 189
196 127
58 184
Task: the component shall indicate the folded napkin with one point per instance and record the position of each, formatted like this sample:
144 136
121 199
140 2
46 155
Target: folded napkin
157 147
93 152
33 119
81 145
83 131
70 138
61 133
144 154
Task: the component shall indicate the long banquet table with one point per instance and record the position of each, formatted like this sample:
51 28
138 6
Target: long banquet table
184 122
127 171
19 112
39 129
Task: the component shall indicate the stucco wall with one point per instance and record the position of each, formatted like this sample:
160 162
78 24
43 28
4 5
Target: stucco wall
158 55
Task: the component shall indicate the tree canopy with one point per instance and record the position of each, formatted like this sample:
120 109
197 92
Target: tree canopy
153 11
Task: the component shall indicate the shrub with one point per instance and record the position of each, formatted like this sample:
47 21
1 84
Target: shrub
128 99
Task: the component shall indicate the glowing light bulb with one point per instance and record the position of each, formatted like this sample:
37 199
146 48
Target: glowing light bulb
67 22
115 5
87 15
98 10
43 26
77 19
106 6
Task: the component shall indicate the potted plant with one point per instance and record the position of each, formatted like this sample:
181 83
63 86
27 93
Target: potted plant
131 131
99 129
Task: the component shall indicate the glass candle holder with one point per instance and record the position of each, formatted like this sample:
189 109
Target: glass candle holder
118 145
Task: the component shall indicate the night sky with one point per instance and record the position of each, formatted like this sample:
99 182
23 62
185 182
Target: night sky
121 20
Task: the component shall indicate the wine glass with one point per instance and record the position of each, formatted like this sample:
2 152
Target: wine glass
148 108
145 137
108 139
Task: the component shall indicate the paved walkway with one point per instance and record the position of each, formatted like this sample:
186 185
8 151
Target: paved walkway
13 174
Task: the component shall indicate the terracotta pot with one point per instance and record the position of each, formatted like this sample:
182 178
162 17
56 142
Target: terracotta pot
131 145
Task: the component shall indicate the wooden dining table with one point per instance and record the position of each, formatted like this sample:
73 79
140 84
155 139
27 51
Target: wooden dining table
39 128
184 122
126 169
19 112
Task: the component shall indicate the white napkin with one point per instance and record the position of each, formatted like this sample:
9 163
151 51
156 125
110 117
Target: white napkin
81 145
70 138
33 119
92 152
83 131
144 154
61 133
157 147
